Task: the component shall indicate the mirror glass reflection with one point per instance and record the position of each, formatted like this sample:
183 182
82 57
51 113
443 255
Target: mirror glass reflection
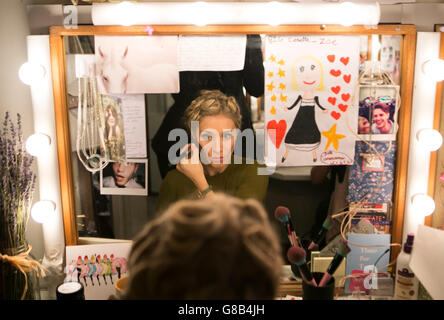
309 193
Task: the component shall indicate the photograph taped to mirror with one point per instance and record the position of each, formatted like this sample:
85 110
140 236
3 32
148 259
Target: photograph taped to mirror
129 65
113 130
378 112
129 178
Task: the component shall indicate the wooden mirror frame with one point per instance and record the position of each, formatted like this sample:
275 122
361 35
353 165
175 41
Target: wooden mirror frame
57 47
433 171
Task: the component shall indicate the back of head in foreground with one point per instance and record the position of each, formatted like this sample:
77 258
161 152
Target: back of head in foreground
218 248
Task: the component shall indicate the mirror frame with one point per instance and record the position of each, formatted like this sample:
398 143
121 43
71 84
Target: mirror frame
433 168
57 50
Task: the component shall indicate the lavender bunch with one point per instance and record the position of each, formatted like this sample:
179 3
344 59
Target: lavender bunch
17 184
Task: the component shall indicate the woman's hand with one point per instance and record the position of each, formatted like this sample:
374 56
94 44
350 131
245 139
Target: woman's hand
192 167
325 111
285 109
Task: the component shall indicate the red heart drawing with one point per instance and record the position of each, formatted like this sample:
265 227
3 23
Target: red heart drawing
342 107
332 100
335 115
345 96
276 131
347 78
335 73
336 89
344 60
331 58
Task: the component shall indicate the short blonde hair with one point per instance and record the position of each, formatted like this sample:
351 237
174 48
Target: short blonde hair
218 248
293 77
212 103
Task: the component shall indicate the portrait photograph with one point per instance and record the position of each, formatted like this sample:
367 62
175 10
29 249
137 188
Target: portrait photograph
378 112
129 178
113 129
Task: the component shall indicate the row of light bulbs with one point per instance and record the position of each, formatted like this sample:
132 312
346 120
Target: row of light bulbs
38 144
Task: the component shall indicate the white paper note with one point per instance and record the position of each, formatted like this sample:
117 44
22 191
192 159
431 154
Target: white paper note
133 110
427 261
211 53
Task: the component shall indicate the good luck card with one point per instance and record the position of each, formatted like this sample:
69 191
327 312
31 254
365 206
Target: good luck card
310 116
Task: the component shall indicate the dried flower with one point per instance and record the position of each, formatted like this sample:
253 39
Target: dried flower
17 184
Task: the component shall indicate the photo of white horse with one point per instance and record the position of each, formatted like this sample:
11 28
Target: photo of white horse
138 64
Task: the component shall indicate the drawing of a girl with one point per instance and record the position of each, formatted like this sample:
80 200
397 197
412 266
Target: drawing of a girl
304 135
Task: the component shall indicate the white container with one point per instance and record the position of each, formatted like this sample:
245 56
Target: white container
406 283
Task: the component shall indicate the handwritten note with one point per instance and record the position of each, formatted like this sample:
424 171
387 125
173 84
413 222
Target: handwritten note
211 53
133 110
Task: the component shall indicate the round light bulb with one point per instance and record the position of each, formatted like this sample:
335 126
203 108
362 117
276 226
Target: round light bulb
200 13
423 204
125 11
273 13
31 73
434 69
38 144
430 139
43 211
348 13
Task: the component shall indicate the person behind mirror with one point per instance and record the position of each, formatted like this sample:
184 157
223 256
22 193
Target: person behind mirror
124 176
218 248
218 117
232 83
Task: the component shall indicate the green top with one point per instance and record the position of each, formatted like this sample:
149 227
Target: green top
239 180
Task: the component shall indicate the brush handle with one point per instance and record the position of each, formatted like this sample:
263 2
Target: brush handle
310 282
312 245
325 279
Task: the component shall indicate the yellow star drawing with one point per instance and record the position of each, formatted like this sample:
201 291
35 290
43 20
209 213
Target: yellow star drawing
270 74
273 97
283 98
282 86
281 73
281 62
332 137
272 58
270 86
273 110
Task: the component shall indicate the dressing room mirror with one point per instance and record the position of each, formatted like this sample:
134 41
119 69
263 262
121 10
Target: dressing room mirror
90 212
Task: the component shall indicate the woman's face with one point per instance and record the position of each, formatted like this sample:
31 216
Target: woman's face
364 125
123 173
217 137
380 118
308 74
111 120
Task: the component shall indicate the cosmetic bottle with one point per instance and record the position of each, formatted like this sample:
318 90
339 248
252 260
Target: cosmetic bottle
406 283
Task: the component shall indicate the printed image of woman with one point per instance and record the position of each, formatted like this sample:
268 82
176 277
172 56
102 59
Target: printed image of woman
304 134
114 139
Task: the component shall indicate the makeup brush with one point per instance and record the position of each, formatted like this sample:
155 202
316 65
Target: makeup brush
341 253
296 255
283 215
321 234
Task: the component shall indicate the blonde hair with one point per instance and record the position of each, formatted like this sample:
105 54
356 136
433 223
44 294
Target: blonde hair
218 248
293 77
212 103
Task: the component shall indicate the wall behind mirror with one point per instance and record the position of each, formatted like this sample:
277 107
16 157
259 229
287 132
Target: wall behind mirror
122 216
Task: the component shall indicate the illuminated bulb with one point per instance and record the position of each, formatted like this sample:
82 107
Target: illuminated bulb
434 69
31 73
273 11
125 12
38 144
43 211
423 204
429 139
348 13
200 13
